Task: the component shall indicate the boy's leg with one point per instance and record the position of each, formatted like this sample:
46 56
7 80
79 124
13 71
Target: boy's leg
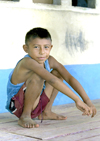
51 93
34 87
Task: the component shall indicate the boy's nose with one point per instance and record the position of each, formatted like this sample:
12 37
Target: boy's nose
41 50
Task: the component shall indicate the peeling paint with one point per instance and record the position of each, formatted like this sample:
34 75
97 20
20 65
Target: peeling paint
75 42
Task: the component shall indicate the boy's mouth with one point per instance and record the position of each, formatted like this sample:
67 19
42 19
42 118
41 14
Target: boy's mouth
41 58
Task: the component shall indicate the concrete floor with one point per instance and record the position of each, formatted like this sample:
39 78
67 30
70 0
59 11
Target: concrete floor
75 128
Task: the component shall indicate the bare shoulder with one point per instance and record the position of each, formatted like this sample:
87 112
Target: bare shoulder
26 62
23 70
54 63
29 64
60 68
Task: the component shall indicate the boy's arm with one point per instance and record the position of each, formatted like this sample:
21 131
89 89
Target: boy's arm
73 83
79 89
32 65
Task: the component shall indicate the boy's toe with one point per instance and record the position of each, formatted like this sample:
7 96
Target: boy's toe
61 117
36 125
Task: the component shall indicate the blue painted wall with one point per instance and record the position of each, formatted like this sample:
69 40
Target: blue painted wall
87 75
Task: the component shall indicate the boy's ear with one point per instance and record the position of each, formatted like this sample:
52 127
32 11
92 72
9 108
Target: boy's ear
25 48
51 46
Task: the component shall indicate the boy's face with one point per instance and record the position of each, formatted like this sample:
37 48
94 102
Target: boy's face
39 49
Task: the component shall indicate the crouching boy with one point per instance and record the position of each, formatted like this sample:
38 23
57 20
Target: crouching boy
36 79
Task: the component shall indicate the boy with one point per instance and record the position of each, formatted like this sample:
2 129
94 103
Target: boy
36 80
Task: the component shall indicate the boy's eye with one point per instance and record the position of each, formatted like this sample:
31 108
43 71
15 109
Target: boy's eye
35 46
46 47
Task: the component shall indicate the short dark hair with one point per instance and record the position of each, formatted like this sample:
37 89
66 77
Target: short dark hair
37 33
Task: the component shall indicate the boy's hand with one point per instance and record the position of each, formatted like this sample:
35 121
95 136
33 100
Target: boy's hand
89 103
93 111
84 108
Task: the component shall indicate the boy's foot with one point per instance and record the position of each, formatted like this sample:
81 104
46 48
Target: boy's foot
51 116
27 123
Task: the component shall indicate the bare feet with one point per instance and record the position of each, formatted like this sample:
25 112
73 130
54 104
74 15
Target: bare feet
27 123
51 116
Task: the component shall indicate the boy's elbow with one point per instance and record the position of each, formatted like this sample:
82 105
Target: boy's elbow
70 80
52 81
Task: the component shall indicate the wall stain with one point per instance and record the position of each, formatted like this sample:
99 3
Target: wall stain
75 42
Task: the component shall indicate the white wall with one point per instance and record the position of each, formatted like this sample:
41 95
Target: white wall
75 32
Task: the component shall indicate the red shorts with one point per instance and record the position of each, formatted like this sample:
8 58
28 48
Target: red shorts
18 103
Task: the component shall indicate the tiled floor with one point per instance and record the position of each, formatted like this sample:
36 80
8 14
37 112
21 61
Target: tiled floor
75 128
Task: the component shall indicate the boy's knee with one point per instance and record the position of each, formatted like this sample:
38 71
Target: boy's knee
35 80
56 73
